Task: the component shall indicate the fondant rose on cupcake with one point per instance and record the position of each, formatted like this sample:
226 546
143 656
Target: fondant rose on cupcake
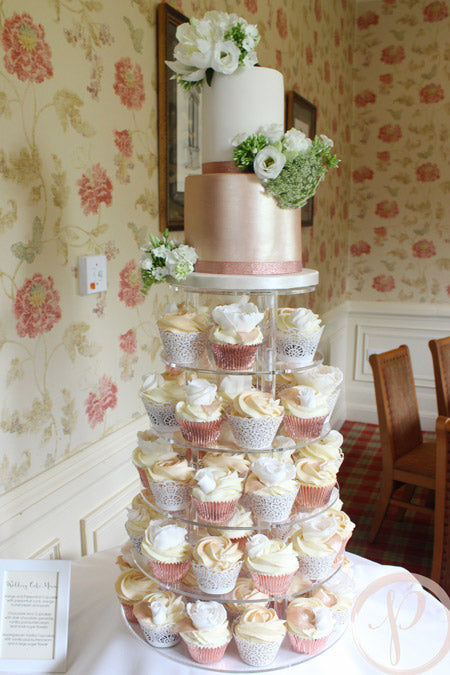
259 633
236 336
325 379
298 333
205 632
216 492
200 414
159 394
159 615
254 418
165 545
183 335
309 623
305 412
272 488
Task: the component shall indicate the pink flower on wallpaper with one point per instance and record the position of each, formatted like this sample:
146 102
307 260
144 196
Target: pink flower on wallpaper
128 342
423 249
282 23
435 11
337 38
36 306
362 174
278 57
384 156
359 249
448 290
393 55
129 84
318 10
341 84
27 54
386 209
428 172
431 93
110 250
309 55
123 142
95 188
323 252
326 72
383 283
348 133
332 211
366 20
336 248
345 210
380 232
350 55
366 97
130 285
387 78
252 6
97 403
390 133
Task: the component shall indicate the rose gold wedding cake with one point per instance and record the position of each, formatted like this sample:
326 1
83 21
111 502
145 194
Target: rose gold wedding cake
235 227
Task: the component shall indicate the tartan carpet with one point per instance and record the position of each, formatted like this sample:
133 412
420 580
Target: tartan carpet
405 538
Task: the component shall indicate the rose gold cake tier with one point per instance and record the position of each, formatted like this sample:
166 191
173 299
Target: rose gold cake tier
236 228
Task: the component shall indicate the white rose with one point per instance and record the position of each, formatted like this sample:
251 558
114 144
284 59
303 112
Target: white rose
319 529
205 480
239 138
273 132
257 545
307 396
250 60
237 316
200 392
323 619
271 471
146 263
225 57
159 613
164 535
326 140
160 273
206 614
268 163
296 141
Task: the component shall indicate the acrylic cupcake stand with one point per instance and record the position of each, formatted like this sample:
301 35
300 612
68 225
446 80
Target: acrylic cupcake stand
268 293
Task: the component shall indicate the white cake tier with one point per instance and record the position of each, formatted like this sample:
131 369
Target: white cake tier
236 104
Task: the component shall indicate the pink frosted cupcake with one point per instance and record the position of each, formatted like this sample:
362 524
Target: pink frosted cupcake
184 335
317 480
165 545
206 633
310 624
236 336
305 412
200 415
254 419
216 493
272 564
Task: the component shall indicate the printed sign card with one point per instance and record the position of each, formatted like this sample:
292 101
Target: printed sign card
34 614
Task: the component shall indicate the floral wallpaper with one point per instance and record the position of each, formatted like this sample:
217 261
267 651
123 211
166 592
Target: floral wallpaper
399 237
78 176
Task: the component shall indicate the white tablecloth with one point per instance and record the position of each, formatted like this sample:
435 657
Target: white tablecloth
101 644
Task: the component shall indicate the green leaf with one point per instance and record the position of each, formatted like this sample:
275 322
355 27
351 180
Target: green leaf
28 252
67 106
209 76
136 35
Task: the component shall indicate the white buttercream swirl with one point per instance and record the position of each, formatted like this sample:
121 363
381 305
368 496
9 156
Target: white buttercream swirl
317 537
270 556
300 319
256 405
227 460
302 401
325 379
176 469
241 519
216 484
233 385
161 608
133 585
165 542
217 553
260 625
315 472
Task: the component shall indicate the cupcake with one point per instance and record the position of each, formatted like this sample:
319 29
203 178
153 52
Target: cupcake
243 522
183 335
325 379
236 336
316 543
338 594
283 448
234 461
345 528
138 518
159 394
305 412
298 334
271 563
125 559
272 489
170 481
327 449
316 479
147 452
215 493
200 415
165 545
232 385
259 633
205 633
131 586
159 615
216 562
243 596
254 419
309 624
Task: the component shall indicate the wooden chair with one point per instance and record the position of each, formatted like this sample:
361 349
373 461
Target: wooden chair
440 351
440 571
406 458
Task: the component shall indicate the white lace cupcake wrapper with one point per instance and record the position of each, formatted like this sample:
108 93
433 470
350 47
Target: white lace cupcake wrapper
257 654
295 347
216 582
316 568
170 495
184 348
272 508
161 416
254 434
161 637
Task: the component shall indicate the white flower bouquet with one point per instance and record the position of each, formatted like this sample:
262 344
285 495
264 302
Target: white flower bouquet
289 165
218 42
163 258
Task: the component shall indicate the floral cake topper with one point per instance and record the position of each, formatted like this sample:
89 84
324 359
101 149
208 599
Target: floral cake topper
289 165
164 259
219 42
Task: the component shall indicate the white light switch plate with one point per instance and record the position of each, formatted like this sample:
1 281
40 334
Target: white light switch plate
92 274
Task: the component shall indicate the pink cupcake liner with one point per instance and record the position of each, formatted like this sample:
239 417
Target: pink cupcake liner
312 497
303 429
200 433
129 613
307 645
215 512
273 585
234 357
169 572
205 654
143 476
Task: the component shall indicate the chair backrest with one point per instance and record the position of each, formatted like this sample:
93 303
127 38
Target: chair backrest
440 351
398 413
440 571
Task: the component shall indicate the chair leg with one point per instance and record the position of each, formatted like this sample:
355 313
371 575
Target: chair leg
387 487
408 493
